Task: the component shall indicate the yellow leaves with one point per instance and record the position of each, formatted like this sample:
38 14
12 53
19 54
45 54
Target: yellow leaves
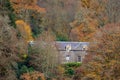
25 30
25 56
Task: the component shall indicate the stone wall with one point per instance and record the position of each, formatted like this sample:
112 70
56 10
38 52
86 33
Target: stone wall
72 56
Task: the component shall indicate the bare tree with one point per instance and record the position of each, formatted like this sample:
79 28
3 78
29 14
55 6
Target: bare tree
44 56
7 50
112 9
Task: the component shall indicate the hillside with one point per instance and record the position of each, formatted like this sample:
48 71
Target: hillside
29 29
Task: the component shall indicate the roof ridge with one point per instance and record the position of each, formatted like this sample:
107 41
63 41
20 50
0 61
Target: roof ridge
70 42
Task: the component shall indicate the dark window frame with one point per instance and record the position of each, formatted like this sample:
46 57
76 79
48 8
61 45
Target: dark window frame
79 58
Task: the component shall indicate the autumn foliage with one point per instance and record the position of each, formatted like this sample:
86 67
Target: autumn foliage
84 32
25 30
94 14
105 63
85 24
21 5
94 21
33 76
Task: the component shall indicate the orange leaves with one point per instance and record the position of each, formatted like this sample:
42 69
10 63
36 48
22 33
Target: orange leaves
87 21
32 76
36 8
106 65
25 30
20 5
85 3
85 31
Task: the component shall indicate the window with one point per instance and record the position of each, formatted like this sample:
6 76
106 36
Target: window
68 48
67 57
79 59
84 47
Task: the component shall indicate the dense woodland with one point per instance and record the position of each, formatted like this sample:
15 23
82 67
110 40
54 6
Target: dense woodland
22 21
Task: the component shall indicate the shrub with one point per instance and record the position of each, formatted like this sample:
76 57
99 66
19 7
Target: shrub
69 71
72 64
25 69
61 37
70 68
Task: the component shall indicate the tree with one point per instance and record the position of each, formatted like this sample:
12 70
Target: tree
44 56
106 59
21 6
25 30
7 9
33 76
30 13
91 15
8 50
37 23
59 14
85 24
112 9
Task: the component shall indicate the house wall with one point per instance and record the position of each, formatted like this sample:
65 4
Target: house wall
73 56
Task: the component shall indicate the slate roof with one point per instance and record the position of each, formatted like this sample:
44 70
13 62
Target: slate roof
61 45
74 45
